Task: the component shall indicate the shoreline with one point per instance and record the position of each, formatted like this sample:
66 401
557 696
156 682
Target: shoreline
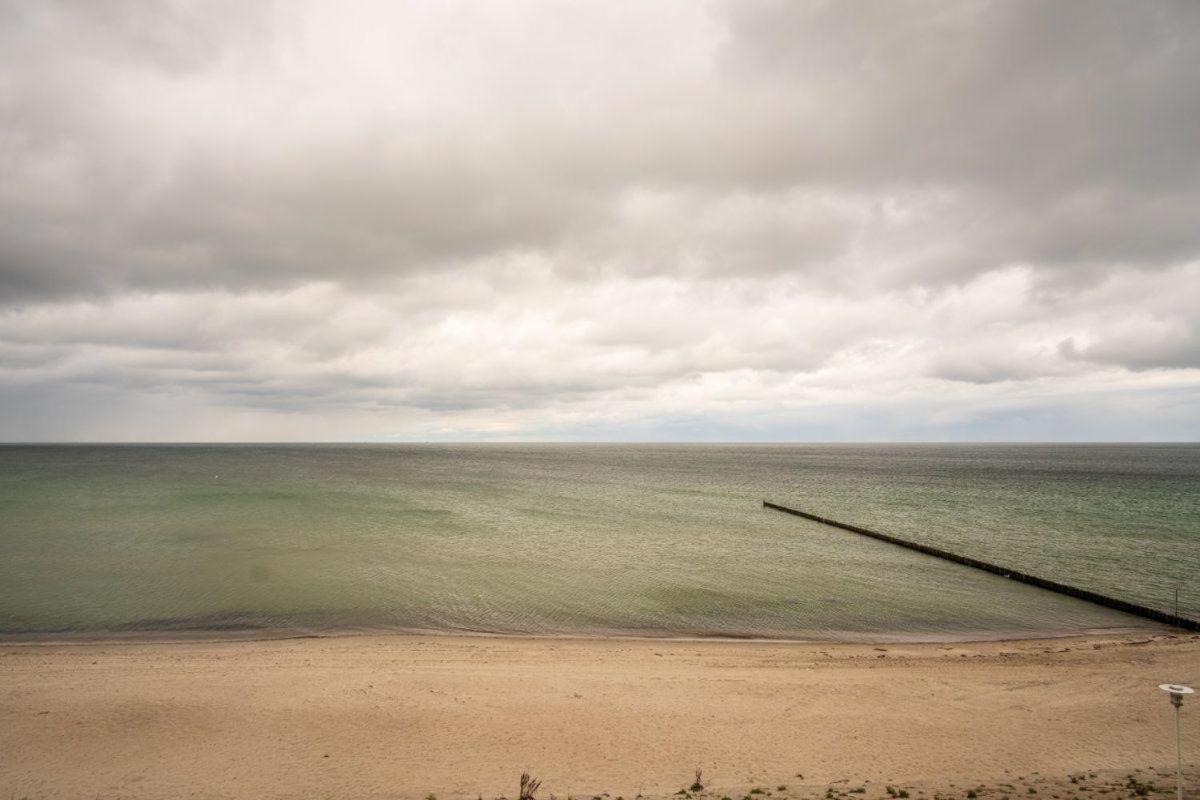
463 716
61 638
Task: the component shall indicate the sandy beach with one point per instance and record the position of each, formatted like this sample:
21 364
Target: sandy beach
407 716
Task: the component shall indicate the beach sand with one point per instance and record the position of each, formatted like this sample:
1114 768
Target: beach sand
406 716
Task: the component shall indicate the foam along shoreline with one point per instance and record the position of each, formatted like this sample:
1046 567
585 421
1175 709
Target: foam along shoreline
462 716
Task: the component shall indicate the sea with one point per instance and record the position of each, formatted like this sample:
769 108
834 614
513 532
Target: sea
643 540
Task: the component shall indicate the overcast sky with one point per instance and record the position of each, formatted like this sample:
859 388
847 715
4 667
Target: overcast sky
739 221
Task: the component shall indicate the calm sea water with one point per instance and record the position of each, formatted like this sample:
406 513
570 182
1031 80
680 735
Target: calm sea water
589 539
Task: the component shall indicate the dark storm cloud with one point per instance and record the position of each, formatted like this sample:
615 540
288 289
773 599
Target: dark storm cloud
1026 95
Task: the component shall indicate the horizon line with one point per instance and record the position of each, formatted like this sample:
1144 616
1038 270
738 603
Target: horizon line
143 443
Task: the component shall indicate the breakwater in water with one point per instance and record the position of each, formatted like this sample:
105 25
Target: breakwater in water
1033 580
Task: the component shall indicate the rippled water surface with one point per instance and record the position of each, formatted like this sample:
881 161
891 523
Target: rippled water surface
589 539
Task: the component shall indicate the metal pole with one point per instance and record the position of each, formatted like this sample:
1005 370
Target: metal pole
1177 701
1177 691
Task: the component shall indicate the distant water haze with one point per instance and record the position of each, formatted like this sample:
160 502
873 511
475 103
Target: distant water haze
589 539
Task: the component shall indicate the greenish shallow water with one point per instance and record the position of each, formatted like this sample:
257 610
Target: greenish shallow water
589 539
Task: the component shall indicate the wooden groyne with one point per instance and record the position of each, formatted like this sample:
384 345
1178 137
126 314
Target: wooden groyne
1033 580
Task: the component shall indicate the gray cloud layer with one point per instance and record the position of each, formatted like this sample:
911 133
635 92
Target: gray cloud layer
680 220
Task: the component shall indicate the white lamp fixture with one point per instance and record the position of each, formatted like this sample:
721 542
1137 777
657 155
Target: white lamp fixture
1177 692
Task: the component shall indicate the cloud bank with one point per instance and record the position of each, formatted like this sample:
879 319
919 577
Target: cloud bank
669 221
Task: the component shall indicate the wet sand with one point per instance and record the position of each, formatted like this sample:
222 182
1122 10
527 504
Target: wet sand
406 716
